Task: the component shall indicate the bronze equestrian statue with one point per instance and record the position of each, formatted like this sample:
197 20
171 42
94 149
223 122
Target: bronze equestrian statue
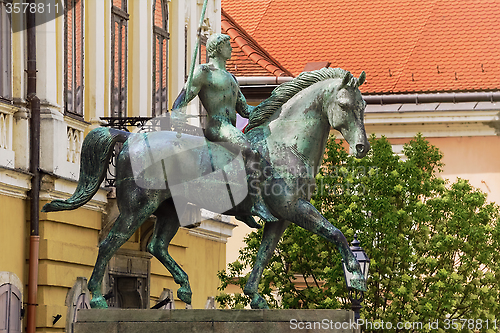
288 132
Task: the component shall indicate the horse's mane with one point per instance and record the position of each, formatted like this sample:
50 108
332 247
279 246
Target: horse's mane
285 91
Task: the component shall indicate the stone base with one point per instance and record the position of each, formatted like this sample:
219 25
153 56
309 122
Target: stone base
213 321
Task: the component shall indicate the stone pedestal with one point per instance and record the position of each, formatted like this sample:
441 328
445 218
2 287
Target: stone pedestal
214 321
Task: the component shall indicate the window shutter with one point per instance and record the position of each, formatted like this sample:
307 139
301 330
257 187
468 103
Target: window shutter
15 310
10 309
4 308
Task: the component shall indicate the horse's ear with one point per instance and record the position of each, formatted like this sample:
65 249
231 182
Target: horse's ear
362 78
345 81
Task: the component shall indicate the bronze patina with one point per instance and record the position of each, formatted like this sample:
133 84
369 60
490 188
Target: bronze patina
289 131
220 94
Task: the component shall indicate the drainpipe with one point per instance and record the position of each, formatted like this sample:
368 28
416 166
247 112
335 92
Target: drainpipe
262 80
34 169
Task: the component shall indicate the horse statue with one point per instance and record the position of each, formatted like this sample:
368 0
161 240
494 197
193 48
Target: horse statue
289 129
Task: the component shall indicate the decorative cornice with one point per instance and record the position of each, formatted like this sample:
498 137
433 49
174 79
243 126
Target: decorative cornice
8 108
206 214
452 97
14 183
76 122
433 120
215 230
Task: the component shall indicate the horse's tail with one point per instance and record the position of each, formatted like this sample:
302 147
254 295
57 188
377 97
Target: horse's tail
96 152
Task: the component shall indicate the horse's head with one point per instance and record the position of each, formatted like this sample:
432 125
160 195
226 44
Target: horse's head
346 113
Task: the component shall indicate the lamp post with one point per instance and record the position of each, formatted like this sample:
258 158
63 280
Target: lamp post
356 296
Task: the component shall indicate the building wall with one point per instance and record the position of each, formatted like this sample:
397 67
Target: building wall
69 240
14 231
466 133
472 158
68 248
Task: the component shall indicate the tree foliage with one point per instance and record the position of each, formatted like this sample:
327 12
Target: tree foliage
434 246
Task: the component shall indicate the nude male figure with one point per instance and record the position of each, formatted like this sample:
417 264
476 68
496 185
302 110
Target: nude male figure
221 96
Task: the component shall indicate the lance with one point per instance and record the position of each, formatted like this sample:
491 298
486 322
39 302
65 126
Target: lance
195 53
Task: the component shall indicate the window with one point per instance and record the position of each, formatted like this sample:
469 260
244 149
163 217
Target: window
74 48
160 57
203 59
127 280
119 20
10 309
129 292
5 52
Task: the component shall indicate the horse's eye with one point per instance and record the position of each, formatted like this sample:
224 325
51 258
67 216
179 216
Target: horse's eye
343 103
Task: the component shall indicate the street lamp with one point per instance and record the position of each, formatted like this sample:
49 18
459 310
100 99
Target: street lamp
355 295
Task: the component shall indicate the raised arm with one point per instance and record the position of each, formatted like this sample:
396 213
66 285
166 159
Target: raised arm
199 78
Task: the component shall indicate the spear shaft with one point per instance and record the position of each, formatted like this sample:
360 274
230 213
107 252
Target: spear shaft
195 53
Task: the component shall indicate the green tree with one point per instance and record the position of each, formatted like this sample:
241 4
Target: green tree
434 246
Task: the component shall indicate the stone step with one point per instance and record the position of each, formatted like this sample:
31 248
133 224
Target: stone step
213 321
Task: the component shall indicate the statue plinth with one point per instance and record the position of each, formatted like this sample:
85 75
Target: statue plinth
213 321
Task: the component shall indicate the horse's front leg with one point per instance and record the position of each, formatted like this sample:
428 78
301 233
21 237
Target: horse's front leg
272 234
305 215
166 226
135 207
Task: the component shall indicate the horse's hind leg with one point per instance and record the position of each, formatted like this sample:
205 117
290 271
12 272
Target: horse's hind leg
129 220
305 215
166 227
270 238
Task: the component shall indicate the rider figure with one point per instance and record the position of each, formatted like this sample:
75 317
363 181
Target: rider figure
221 96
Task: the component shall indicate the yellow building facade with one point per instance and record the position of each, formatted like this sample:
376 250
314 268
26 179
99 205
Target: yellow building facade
100 58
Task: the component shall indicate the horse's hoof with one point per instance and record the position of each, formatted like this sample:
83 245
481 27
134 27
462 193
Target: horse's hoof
258 302
98 302
184 294
260 209
249 221
359 283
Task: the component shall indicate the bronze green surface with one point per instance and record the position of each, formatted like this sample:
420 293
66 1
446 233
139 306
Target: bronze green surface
289 130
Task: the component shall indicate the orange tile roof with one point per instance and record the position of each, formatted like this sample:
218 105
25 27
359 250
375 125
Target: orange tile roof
248 58
253 12
403 45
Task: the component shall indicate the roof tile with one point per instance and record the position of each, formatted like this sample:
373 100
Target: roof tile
403 45
248 58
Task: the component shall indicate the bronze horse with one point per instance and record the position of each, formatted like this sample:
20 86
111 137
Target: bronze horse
290 130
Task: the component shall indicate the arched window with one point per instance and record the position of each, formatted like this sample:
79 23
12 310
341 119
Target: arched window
119 60
5 51
73 56
10 309
160 57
